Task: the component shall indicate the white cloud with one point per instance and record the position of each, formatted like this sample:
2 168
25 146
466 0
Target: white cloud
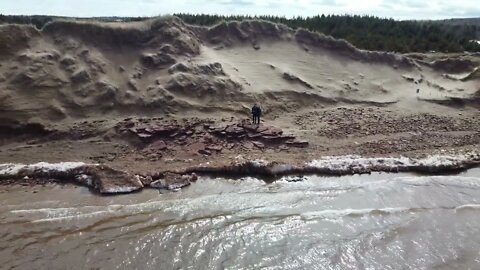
400 9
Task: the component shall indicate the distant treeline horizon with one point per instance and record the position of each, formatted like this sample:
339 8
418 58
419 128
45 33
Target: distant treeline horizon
364 32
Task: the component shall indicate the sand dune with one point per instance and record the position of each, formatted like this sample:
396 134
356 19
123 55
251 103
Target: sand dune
71 69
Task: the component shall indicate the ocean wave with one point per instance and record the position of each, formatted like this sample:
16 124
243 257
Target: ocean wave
468 207
336 213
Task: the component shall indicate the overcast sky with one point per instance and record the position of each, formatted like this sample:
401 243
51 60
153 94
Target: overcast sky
398 9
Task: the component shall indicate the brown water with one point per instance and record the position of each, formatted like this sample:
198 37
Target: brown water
379 221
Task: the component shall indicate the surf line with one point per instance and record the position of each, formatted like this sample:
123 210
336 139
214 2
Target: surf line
107 180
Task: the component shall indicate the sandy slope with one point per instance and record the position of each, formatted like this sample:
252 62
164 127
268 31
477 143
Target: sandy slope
326 76
71 75
67 68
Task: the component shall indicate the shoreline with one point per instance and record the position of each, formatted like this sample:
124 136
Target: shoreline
108 181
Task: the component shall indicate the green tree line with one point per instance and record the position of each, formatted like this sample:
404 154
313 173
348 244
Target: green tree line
365 32
372 33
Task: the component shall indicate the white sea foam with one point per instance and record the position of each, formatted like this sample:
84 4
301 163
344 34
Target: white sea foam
61 166
336 213
44 210
258 163
70 217
280 168
468 206
11 169
120 189
353 162
357 162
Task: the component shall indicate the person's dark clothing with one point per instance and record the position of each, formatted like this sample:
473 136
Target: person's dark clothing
256 113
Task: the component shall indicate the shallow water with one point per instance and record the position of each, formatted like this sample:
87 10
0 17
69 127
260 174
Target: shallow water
378 221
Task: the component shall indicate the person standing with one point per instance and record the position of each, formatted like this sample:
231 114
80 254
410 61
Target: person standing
256 114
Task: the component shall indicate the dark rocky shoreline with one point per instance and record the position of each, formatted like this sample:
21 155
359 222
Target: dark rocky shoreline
201 137
106 180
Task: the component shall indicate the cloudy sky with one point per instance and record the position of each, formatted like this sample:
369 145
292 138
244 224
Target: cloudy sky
398 9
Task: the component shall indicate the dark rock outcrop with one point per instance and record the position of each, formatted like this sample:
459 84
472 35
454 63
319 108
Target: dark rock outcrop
162 139
107 180
101 178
